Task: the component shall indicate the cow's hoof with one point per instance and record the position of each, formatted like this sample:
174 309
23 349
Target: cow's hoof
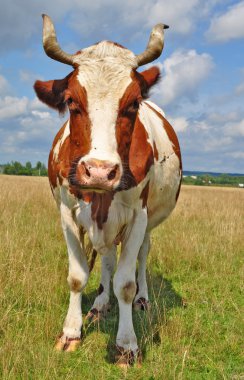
96 315
141 304
67 344
126 358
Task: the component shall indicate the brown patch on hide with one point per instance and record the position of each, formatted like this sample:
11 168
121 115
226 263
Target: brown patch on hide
80 125
75 285
155 150
141 153
78 143
100 205
127 128
144 195
129 291
87 197
116 44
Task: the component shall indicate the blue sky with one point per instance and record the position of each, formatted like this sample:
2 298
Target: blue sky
202 85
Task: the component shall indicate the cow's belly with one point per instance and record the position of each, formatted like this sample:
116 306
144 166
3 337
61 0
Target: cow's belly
163 191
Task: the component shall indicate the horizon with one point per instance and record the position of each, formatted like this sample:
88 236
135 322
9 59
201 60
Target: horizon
202 85
183 170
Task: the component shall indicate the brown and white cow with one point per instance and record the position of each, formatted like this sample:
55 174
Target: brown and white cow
115 172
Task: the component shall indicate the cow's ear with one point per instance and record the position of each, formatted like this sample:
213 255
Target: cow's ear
52 93
151 76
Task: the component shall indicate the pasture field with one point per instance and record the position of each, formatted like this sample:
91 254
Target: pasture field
195 273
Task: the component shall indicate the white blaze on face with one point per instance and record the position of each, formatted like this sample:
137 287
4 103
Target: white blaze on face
105 73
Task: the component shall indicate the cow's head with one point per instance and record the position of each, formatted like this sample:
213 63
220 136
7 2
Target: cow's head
109 146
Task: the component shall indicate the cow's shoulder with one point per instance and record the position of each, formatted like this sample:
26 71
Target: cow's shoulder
161 133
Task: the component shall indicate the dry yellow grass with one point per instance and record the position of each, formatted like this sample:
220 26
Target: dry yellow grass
195 274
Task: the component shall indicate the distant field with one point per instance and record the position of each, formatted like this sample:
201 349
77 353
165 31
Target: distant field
195 271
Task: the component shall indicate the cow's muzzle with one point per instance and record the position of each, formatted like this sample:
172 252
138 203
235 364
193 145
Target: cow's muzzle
98 175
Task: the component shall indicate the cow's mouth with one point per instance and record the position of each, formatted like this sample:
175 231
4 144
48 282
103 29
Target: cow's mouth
96 189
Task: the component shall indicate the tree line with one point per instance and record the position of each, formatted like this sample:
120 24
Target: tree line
217 180
16 168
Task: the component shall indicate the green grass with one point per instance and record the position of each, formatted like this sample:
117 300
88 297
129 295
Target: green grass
195 327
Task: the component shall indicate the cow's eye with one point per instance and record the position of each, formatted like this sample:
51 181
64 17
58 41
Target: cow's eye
133 107
69 101
136 104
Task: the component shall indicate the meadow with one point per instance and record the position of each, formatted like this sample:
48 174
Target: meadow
194 329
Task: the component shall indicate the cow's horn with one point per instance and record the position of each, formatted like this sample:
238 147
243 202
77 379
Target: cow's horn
51 45
155 45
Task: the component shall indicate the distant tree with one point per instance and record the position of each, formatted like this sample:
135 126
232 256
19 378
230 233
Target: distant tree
17 167
38 165
28 165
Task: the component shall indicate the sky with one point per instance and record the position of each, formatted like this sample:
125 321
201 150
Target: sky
202 66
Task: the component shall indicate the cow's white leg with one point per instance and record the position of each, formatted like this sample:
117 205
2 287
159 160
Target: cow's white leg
101 303
77 279
141 298
125 287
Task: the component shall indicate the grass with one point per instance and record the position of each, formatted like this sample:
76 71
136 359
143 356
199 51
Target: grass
195 327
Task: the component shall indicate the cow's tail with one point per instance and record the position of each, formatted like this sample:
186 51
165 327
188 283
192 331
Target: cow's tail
90 252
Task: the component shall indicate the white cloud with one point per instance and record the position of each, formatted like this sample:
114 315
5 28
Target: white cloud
4 85
28 76
239 90
238 154
227 26
180 124
25 131
11 107
216 117
180 15
182 74
217 143
37 104
235 129
98 19
41 115
202 125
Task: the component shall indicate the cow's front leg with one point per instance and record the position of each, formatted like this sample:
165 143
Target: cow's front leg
101 304
141 301
77 279
125 288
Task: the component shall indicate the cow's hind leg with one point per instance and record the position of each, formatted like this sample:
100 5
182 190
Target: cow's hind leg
141 299
101 304
77 279
125 289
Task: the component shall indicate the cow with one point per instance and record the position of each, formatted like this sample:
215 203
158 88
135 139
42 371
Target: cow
115 173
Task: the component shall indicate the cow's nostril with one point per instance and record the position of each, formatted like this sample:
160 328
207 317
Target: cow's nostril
87 172
112 174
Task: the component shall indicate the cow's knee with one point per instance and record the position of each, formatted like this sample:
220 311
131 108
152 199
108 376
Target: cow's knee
125 290
128 291
77 282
